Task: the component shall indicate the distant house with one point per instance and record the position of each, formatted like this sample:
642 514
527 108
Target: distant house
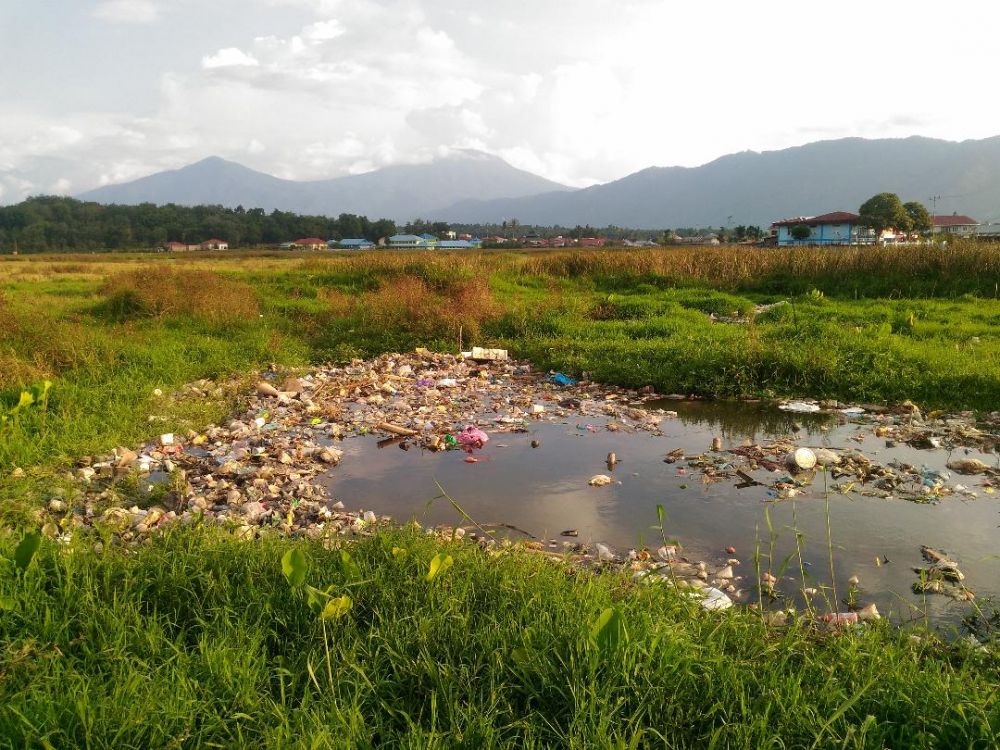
955 224
494 240
698 239
836 228
406 240
310 243
534 240
351 244
214 244
179 247
429 240
592 241
454 245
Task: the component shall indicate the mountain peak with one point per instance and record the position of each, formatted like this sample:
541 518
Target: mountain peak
400 192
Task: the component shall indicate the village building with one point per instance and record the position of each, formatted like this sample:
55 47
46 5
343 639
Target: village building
350 244
955 224
309 243
406 241
835 228
214 244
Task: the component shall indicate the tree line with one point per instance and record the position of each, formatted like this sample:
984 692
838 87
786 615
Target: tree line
50 223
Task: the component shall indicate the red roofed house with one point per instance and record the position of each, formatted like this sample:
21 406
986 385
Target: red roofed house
179 247
214 244
836 228
310 243
956 224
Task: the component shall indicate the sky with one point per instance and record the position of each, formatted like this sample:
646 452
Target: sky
579 91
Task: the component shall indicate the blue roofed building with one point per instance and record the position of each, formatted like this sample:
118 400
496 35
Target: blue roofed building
351 244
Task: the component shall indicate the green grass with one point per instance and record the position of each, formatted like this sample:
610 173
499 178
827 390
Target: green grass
197 640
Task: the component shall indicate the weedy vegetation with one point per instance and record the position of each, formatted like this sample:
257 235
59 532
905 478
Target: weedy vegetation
200 639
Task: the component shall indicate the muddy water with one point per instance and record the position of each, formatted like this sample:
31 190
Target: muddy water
544 491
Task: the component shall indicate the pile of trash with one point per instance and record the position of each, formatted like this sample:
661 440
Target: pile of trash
268 469
941 576
788 468
263 469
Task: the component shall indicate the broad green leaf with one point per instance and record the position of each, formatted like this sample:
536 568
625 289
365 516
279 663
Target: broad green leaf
660 514
337 607
26 549
25 401
315 598
439 564
350 568
398 552
6 603
41 392
295 566
608 631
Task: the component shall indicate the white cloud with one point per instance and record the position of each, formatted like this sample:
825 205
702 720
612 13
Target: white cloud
323 31
579 92
229 57
127 11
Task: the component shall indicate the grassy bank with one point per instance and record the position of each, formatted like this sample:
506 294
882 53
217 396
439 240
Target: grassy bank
198 640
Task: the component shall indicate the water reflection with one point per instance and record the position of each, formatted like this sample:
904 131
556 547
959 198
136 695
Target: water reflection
544 490
737 421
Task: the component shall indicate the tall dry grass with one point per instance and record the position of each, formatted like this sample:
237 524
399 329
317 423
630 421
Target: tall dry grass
452 311
158 292
888 270
732 267
9 323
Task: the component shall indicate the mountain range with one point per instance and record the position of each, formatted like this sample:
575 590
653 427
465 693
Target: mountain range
401 192
742 188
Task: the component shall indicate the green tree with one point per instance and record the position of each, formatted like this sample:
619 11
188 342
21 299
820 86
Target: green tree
800 232
920 217
884 211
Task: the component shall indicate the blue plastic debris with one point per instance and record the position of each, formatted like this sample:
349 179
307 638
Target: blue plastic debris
561 379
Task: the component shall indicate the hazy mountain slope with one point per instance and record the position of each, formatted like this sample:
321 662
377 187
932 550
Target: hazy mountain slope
399 192
758 188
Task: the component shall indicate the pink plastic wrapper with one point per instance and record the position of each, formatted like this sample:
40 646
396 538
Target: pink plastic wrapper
472 436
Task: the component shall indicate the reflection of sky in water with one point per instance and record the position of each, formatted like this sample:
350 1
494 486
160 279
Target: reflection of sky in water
545 491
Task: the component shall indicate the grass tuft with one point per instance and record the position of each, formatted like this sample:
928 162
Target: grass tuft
159 292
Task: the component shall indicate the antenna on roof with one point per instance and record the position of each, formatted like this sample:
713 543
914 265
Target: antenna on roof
934 199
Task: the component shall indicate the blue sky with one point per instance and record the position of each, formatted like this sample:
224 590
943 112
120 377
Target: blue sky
581 91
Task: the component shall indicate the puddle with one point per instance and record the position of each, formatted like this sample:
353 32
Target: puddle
544 491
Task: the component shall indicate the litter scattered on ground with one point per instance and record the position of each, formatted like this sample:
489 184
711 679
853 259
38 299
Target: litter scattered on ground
262 471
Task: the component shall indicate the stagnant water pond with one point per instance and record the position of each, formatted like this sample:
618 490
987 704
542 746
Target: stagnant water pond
544 490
